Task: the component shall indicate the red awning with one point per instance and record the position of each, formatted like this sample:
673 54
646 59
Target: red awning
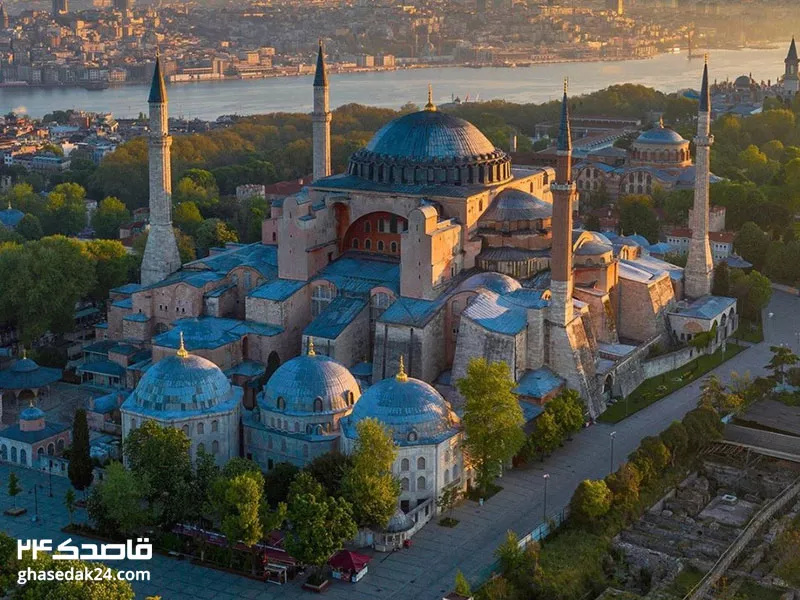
344 560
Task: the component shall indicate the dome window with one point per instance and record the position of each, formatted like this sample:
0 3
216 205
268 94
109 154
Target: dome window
280 403
318 404
350 398
412 436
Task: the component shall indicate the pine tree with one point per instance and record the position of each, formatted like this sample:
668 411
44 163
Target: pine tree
80 470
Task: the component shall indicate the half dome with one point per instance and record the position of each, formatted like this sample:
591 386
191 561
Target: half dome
311 384
516 205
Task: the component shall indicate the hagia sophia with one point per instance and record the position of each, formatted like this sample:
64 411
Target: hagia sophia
372 289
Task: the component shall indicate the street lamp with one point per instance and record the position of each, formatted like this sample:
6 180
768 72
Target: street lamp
50 476
546 476
612 435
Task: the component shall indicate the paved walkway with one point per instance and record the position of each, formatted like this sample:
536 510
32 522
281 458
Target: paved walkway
427 570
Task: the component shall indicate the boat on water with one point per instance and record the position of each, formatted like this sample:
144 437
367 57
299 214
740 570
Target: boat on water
93 86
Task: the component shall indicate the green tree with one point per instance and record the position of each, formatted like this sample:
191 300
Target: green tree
159 457
213 233
187 217
368 484
510 556
567 408
462 585
753 291
448 499
703 426
722 284
110 214
320 525
69 503
655 451
712 392
81 469
112 266
548 434
277 482
751 244
65 210
492 418
239 507
121 495
624 485
591 501
30 227
756 166
329 469
206 473
636 215
782 359
676 439
14 488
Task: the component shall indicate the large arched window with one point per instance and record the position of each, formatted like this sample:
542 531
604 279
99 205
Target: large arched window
455 471
186 430
354 244
13 454
317 404
214 426
421 463
201 447
421 484
201 429
404 465
380 246
23 457
3 452
215 447
368 244
404 484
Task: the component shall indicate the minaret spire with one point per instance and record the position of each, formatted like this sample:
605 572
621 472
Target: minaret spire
161 256
699 271
791 78
563 189
321 118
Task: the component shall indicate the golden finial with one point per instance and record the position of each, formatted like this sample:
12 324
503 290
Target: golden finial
182 353
311 351
24 353
661 121
430 105
705 58
566 85
401 373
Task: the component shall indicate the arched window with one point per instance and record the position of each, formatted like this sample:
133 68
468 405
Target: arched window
201 447
280 403
186 430
317 404
367 227
23 457
51 449
393 247
201 429
421 463
420 484
40 453
380 246
272 421
297 426
367 244
318 430
13 454
350 398
412 436
215 447
60 445
354 243
446 476
4 452
404 464
214 426
455 472
404 484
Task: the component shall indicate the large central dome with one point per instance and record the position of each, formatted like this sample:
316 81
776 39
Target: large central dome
428 135
431 147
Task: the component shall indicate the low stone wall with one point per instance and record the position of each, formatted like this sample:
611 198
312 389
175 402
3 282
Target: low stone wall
668 362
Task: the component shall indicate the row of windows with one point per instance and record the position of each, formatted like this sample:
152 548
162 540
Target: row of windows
662 155
405 464
214 447
391 225
483 173
355 244
284 447
319 406
311 428
405 482
201 427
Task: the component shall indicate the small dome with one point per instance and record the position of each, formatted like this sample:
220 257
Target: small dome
515 205
182 383
661 135
413 410
301 381
32 413
742 82
496 282
399 522
11 217
24 365
590 243
427 135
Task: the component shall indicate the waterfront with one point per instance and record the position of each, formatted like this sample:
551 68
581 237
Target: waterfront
538 83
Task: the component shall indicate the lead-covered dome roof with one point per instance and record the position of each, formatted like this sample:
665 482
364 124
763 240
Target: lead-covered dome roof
661 135
32 413
181 383
430 147
411 409
311 383
516 205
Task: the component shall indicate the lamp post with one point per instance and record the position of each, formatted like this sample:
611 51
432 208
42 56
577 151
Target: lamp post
546 476
35 517
50 476
612 435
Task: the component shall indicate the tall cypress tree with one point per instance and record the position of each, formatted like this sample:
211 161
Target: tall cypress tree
80 461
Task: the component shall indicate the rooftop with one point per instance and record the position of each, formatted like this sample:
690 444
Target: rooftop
333 320
538 383
205 333
706 308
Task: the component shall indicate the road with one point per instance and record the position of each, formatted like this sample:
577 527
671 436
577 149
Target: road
427 570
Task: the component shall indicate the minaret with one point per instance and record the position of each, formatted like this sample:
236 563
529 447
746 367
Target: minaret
161 256
699 270
3 17
791 80
321 119
563 189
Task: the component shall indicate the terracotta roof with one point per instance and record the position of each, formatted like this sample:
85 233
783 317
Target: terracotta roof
714 236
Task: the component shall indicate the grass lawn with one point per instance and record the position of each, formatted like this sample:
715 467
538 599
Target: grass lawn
752 591
685 581
653 390
749 331
448 522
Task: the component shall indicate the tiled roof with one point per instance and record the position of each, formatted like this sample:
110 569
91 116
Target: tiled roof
538 383
351 182
211 332
504 314
332 321
411 311
707 307
14 433
277 289
27 374
356 274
